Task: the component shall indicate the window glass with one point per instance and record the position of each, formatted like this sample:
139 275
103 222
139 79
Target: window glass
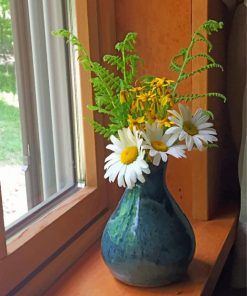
12 176
39 115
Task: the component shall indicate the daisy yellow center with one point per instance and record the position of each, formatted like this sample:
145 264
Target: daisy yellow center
190 128
129 155
159 146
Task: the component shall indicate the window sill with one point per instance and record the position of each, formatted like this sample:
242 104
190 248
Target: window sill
52 216
34 247
89 275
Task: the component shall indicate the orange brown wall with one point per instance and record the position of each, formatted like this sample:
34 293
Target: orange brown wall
163 28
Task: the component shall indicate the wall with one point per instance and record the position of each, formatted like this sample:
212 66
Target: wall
163 28
199 182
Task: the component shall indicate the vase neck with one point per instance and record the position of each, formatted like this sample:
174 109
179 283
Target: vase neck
158 171
154 185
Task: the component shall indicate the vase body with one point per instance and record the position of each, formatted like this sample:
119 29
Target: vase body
148 241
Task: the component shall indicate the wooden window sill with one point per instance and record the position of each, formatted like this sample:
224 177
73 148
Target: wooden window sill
89 276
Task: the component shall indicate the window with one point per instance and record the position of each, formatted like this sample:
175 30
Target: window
74 223
45 104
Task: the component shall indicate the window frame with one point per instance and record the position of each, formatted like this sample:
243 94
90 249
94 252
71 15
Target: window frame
77 221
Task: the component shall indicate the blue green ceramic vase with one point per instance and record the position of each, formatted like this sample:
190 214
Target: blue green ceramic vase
148 241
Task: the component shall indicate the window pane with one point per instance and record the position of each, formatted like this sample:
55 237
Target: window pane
12 177
43 114
52 97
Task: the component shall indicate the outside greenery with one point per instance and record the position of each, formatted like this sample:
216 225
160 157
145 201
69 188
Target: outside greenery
10 138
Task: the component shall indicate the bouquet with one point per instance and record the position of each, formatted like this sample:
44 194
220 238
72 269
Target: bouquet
148 121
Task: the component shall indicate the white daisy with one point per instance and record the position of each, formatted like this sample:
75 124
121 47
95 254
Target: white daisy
127 160
160 145
194 129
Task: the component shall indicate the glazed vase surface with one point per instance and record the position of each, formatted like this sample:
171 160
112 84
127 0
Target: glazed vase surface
148 241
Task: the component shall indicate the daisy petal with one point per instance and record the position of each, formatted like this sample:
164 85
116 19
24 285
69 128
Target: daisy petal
172 130
114 148
156 160
163 156
205 125
172 140
189 142
198 143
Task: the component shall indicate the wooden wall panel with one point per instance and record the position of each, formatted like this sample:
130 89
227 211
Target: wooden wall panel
199 85
223 181
210 168
163 27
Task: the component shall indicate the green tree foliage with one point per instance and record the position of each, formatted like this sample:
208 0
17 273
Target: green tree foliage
7 69
6 47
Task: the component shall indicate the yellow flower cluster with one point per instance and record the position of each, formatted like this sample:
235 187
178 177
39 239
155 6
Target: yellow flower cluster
149 102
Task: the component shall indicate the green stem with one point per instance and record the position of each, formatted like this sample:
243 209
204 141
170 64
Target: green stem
183 65
124 68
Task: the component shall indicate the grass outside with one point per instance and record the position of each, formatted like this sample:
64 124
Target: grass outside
7 78
10 130
10 134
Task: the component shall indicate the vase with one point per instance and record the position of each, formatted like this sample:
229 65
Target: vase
148 241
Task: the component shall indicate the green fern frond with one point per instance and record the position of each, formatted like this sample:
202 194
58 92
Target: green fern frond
201 55
99 128
184 57
208 113
113 61
191 97
70 38
209 145
128 44
99 109
102 130
200 70
199 37
174 66
106 81
132 63
212 26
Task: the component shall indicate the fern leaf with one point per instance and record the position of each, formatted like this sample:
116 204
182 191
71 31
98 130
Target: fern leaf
174 66
71 39
99 128
128 44
132 62
212 26
191 97
114 61
183 52
202 38
108 81
199 70
201 55
208 113
99 109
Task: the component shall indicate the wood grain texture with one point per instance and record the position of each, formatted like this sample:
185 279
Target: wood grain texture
41 239
42 280
3 249
87 27
90 277
199 85
163 28
210 169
